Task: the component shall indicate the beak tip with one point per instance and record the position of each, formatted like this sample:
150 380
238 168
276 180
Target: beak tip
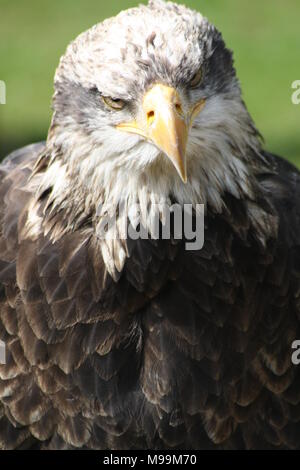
181 170
184 178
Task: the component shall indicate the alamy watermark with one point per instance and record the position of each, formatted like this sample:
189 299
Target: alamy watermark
296 93
2 352
296 354
153 221
2 92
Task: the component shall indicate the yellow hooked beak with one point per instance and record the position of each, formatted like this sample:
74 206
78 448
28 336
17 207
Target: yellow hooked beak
165 124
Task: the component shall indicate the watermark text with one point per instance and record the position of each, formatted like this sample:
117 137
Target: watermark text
2 352
296 94
2 92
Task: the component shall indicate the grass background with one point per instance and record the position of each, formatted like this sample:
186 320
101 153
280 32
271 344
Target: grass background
264 34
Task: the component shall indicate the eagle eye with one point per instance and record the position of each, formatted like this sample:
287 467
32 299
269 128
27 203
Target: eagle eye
113 103
196 80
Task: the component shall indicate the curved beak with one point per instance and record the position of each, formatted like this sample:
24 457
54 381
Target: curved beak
165 124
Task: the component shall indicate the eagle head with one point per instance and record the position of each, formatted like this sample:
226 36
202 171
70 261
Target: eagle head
150 100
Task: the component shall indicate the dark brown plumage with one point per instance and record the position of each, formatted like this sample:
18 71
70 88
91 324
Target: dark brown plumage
175 349
187 350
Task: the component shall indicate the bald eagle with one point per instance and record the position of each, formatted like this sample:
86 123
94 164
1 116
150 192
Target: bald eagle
139 343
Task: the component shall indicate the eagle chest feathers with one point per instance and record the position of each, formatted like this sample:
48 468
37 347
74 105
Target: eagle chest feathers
187 349
141 343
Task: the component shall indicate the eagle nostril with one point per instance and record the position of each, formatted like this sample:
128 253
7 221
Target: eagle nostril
178 108
150 117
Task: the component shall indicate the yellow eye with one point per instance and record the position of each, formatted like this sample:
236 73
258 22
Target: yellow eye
113 103
196 79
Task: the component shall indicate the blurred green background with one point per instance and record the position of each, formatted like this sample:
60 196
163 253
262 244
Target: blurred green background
264 34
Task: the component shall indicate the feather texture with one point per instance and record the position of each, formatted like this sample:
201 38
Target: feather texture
186 350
